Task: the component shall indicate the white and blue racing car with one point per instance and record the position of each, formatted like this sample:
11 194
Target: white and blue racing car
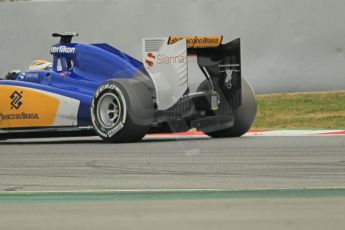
95 89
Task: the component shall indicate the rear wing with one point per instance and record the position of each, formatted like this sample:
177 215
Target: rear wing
166 61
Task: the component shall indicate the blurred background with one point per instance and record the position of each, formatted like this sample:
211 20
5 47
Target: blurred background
270 179
287 46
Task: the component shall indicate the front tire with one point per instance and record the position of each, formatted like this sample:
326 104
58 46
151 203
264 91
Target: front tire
111 116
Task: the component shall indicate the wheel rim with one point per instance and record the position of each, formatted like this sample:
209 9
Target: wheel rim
109 110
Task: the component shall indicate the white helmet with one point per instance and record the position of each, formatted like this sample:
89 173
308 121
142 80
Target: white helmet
40 65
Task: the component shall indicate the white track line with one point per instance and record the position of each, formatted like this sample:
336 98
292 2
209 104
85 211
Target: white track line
287 133
166 190
265 133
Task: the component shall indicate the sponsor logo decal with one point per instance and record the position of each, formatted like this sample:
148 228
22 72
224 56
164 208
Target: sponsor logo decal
19 116
21 76
198 41
31 76
162 59
159 59
16 103
149 60
62 49
23 107
64 74
16 100
114 130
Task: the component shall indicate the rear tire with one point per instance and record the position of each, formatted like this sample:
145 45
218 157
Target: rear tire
111 116
244 115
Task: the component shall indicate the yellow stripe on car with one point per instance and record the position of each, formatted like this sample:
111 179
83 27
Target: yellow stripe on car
23 107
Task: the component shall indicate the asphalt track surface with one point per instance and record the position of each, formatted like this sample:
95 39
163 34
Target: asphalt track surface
191 183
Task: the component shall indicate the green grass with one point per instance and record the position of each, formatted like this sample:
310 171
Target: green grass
301 111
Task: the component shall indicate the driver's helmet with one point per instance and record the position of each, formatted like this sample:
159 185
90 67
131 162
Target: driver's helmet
40 65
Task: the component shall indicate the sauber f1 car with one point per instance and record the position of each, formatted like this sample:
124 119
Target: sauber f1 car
95 89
